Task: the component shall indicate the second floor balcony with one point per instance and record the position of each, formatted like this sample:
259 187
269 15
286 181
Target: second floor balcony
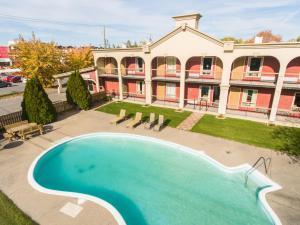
165 68
204 68
132 67
255 71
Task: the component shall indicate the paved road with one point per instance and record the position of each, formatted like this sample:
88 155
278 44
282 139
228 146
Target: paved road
13 104
16 87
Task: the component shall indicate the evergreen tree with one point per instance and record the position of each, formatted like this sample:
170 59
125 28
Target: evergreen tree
36 106
77 92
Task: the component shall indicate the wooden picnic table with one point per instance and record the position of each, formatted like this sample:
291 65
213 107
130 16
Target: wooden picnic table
19 128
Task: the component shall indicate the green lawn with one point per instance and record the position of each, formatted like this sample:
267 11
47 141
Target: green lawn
244 131
10 214
172 118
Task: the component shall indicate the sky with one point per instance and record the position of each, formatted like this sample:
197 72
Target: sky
80 22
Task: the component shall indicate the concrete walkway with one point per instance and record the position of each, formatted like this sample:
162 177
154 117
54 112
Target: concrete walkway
189 122
45 209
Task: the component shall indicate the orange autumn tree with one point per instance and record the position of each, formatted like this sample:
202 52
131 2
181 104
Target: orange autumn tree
78 58
37 59
267 36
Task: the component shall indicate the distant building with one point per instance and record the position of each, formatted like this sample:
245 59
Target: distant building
5 61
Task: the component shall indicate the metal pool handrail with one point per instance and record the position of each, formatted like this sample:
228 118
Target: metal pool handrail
259 162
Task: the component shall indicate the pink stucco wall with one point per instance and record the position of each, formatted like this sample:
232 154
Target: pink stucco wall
194 64
293 67
130 64
111 85
286 99
192 91
270 66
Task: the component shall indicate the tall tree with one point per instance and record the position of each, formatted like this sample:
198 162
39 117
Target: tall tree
298 39
77 92
36 106
37 59
78 58
267 36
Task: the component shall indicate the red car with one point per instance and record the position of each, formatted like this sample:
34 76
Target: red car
13 79
7 78
16 79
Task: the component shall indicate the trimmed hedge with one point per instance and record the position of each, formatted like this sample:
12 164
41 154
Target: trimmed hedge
77 92
36 106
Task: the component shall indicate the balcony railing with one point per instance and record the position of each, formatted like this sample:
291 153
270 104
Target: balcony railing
133 72
204 74
165 73
260 76
108 71
292 78
201 104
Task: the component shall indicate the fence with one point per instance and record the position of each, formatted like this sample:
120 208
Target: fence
60 107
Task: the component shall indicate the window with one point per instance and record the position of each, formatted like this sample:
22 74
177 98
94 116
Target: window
139 64
204 92
171 90
249 97
255 64
297 100
171 65
90 85
140 87
207 64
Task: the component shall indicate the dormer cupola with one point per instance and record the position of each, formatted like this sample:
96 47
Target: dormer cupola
192 20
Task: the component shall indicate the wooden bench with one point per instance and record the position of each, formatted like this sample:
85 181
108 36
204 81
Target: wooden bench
30 129
8 127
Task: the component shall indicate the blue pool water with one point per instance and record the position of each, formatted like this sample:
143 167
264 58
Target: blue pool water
151 182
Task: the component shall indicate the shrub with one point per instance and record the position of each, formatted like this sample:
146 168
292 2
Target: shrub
36 106
77 92
289 139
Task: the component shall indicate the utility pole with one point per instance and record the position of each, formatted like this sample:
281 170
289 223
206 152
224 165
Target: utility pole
104 38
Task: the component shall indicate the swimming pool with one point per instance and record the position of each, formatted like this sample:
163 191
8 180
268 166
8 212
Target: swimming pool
146 181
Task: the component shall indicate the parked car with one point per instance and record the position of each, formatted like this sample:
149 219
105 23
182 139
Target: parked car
4 84
7 78
16 79
12 78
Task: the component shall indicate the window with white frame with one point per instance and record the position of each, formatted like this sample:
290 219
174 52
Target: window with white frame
207 65
171 90
297 101
140 87
171 65
249 97
255 66
139 62
204 93
90 85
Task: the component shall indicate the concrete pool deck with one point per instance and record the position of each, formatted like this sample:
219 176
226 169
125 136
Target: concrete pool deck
15 160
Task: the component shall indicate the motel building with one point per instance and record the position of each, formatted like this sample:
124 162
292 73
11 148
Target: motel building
188 69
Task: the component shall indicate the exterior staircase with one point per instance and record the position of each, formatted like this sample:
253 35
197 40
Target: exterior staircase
189 122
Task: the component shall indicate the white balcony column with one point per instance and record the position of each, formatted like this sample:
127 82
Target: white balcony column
277 93
59 86
97 79
120 80
148 86
224 86
182 83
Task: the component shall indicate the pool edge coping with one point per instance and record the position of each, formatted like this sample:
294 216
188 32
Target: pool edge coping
118 217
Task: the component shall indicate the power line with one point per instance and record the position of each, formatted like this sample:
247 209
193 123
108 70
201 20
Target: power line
28 19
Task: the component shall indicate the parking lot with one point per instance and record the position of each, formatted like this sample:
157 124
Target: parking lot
16 87
13 104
